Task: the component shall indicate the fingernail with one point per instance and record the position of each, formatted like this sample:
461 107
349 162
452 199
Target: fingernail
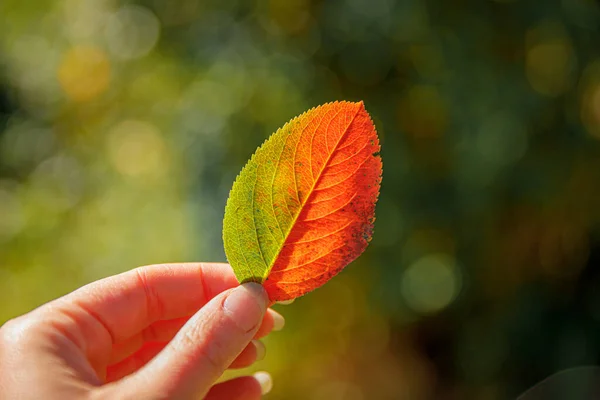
265 381
246 304
261 350
286 302
278 321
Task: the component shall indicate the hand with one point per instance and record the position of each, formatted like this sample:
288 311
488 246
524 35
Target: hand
156 332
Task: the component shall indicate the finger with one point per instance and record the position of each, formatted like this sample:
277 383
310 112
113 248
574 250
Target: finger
113 309
252 353
125 304
161 331
273 321
164 331
204 348
242 388
133 363
255 351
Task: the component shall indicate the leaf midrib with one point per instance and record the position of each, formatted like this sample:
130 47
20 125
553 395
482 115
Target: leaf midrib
310 193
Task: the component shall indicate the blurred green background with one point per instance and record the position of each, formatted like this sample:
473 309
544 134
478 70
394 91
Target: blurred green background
123 125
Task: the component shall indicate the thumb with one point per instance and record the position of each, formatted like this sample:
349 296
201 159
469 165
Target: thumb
204 348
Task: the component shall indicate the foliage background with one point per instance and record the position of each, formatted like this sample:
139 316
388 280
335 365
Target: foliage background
123 125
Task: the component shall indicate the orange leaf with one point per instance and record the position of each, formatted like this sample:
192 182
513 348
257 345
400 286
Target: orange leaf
303 207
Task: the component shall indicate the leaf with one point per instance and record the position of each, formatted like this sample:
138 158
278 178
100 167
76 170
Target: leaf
303 207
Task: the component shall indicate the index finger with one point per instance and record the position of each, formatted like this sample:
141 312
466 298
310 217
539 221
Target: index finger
125 304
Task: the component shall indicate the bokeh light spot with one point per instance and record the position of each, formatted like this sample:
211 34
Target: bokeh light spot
136 148
25 143
59 180
423 112
84 73
132 32
84 19
549 59
291 16
502 138
35 79
590 108
595 106
548 68
427 59
431 283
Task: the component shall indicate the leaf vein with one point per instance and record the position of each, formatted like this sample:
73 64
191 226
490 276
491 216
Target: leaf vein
307 263
326 236
349 158
346 178
334 211
311 192
328 199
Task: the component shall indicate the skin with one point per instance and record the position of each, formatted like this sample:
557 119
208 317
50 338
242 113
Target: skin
157 332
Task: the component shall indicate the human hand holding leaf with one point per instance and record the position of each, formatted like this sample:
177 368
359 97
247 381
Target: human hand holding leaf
303 207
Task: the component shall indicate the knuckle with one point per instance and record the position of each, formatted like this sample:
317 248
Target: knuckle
154 306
